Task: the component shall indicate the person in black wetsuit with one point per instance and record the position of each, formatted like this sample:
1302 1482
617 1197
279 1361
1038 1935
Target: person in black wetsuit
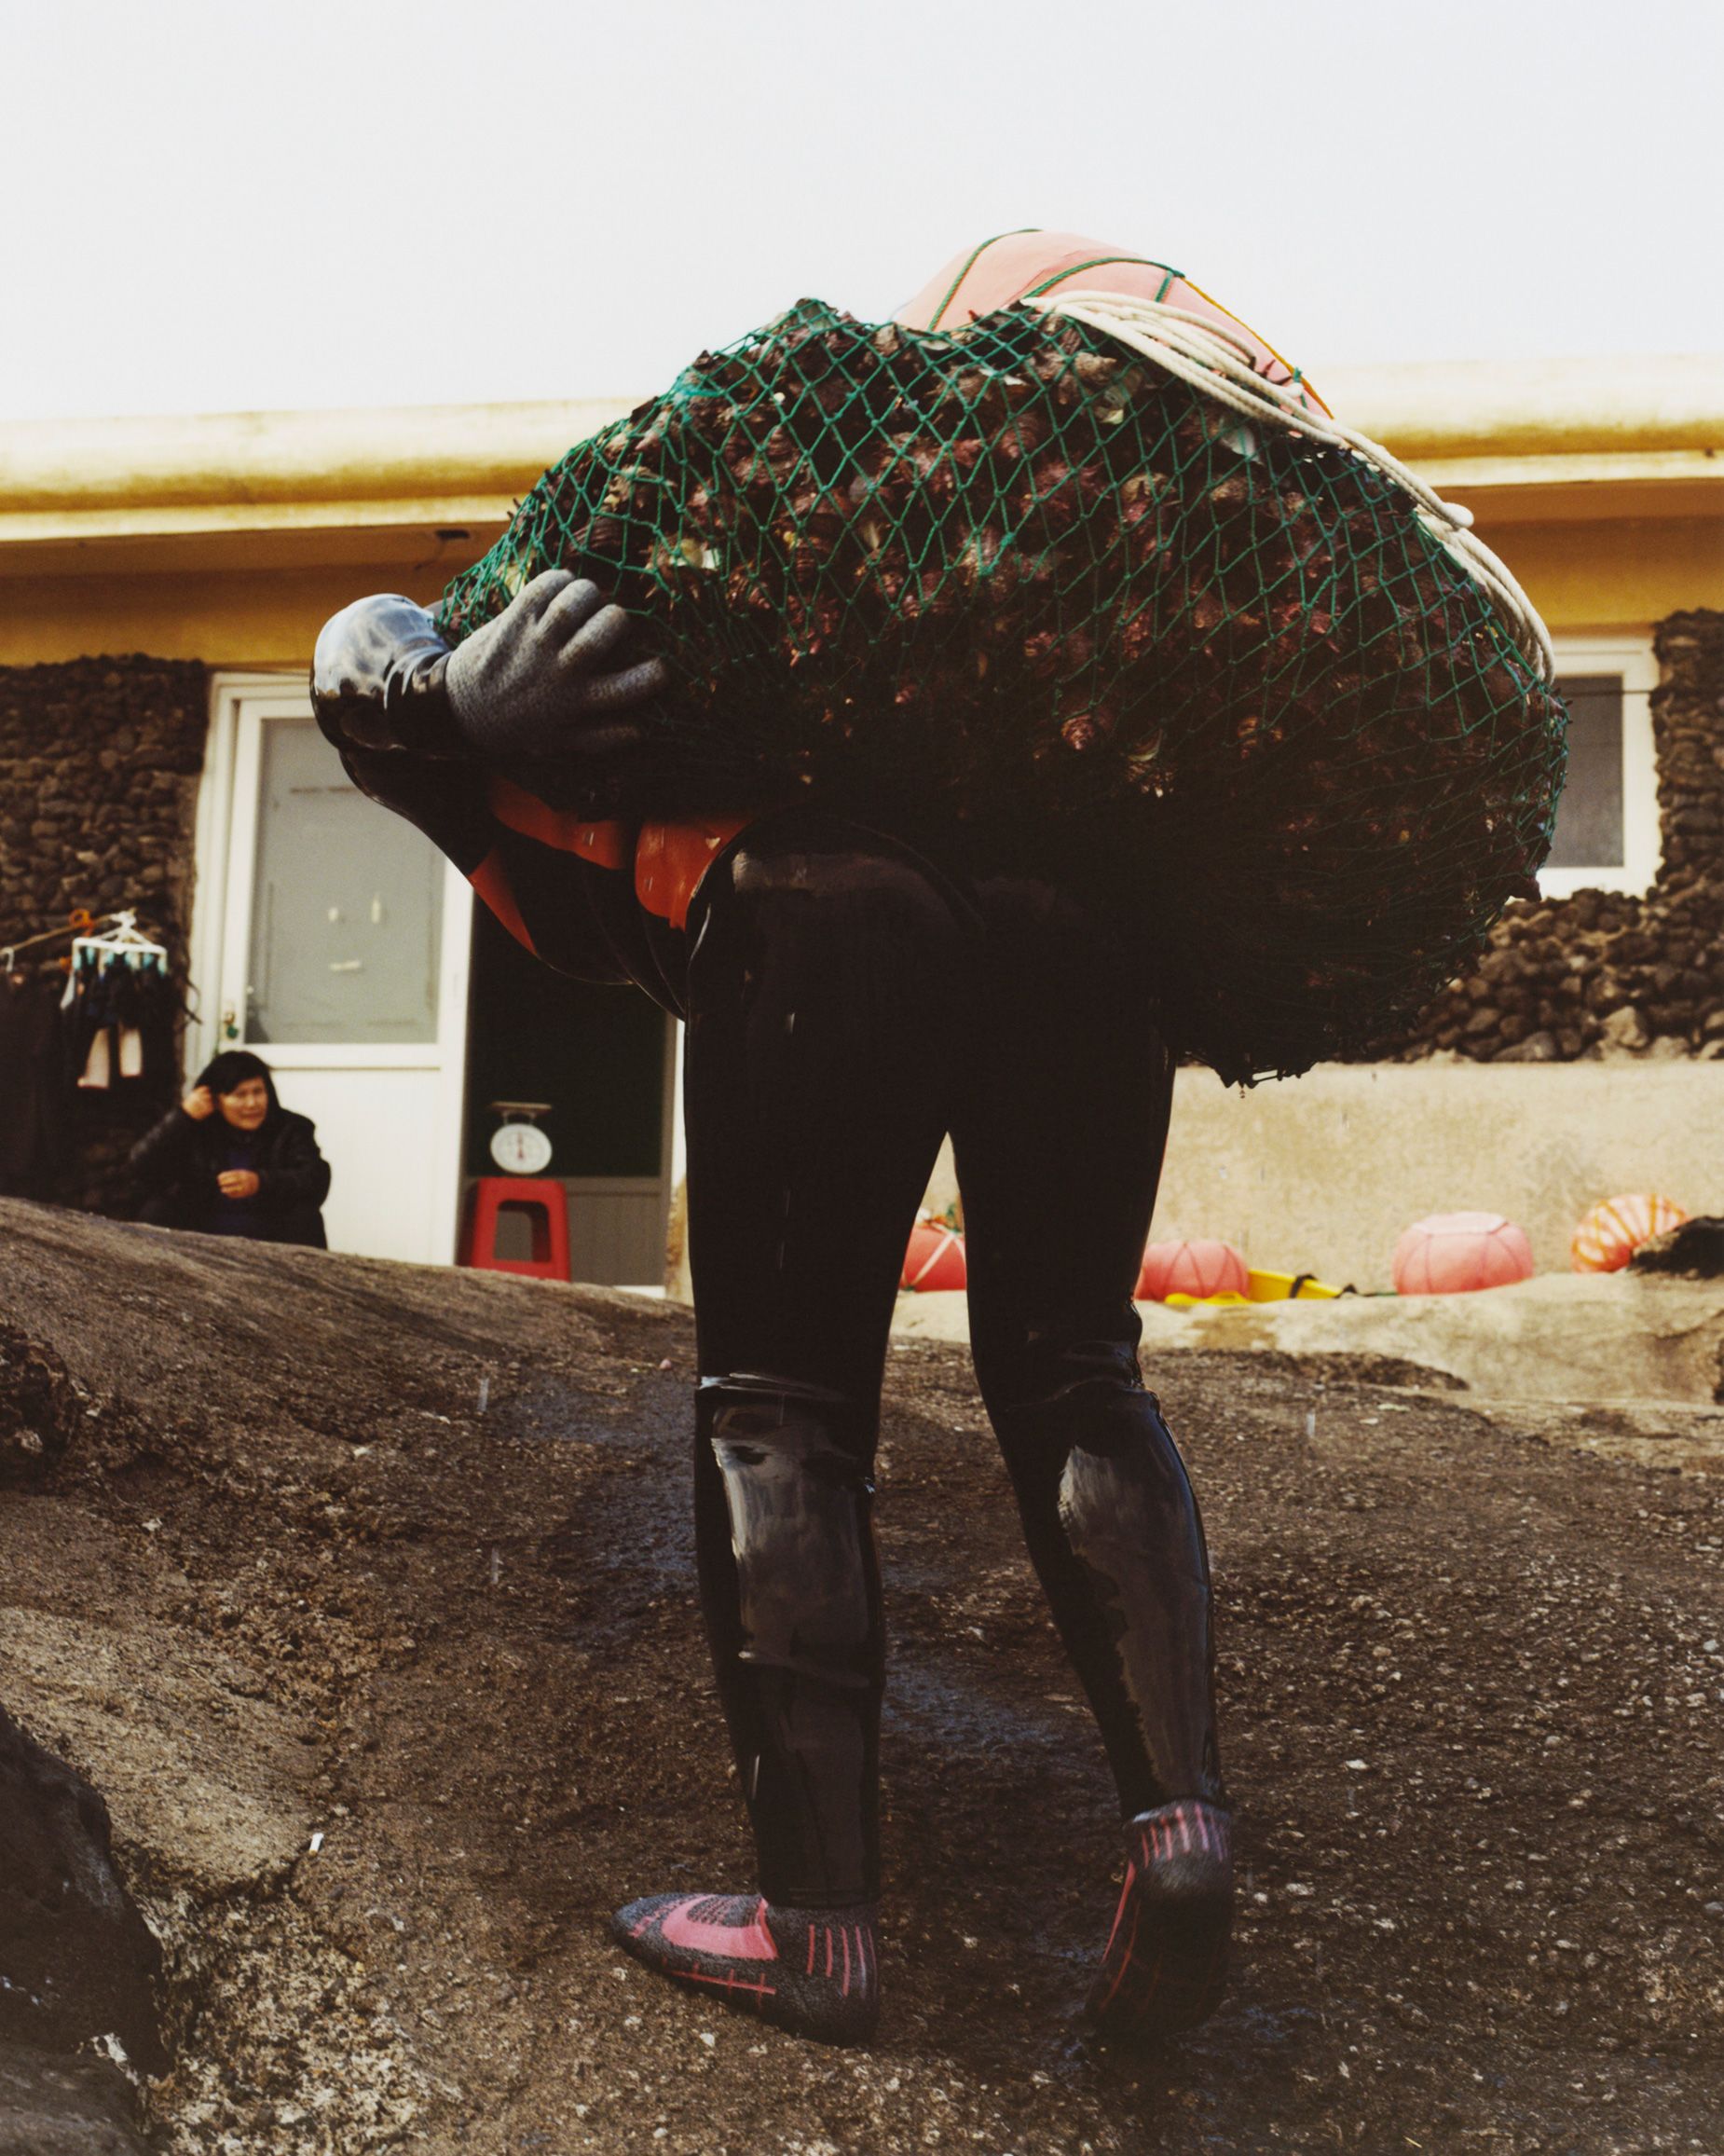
230 1159
850 997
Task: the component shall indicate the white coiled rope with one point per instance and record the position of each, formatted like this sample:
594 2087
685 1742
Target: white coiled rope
1203 351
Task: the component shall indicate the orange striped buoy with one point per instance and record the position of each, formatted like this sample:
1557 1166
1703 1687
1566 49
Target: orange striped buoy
1609 1235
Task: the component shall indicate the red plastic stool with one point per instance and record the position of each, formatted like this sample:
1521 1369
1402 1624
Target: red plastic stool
546 1203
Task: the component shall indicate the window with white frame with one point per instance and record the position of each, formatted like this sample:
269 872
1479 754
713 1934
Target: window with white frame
1606 822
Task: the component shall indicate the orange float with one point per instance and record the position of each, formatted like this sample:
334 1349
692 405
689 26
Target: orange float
935 1258
1609 1236
1195 1269
1034 263
1457 1253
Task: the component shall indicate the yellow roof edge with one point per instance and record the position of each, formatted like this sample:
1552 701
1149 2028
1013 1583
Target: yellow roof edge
1577 420
233 519
1534 408
219 460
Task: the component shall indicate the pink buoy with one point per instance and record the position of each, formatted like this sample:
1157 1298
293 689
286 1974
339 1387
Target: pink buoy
1195 1269
1609 1236
1455 1252
935 1258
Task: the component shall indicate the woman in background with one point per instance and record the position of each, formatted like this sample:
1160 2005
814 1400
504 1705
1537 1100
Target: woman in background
230 1159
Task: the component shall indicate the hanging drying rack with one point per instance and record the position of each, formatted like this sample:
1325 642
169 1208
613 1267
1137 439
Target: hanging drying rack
124 939
84 928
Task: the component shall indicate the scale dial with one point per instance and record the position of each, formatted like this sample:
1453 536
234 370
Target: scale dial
521 1150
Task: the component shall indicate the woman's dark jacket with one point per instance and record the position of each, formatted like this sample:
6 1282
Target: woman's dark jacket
179 1161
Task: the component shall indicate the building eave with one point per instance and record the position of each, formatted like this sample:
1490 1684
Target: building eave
1523 441
1532 409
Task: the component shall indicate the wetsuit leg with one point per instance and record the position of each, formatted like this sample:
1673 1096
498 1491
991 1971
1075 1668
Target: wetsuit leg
826 986
1059 1141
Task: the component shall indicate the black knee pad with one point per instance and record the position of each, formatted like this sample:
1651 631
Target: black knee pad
1123 1486
1102 1452
1115 1531
793 1465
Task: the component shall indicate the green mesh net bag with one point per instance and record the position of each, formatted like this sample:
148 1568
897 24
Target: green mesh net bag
1073 583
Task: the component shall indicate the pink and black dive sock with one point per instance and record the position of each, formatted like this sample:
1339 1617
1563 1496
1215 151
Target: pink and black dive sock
812 1971
1167 1954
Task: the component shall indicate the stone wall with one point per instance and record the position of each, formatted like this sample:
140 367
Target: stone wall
99 767
1602 973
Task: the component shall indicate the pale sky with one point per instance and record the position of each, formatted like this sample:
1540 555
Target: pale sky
217 205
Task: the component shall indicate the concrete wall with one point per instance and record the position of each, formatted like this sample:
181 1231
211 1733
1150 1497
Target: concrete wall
1322 1174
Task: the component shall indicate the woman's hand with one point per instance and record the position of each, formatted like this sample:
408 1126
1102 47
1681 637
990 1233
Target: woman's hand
238 1183
200 1104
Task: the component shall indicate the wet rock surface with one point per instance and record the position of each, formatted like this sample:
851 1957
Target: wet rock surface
76 1960
40 1407
1693 1251
54 2106
423 1698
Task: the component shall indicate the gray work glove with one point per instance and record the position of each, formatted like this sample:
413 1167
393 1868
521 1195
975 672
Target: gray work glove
535 681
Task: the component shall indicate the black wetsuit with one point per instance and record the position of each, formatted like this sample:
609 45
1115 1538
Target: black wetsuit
848 1004
849 1001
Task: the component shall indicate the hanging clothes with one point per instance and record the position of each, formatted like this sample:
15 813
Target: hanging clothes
89 1042
33 1108
120 1006
143 1002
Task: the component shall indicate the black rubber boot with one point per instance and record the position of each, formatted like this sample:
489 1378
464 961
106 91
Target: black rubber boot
790 1591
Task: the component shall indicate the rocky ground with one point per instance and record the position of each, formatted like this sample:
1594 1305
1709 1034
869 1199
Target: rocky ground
365 1595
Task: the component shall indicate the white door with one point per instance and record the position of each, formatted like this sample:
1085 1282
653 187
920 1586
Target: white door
332 938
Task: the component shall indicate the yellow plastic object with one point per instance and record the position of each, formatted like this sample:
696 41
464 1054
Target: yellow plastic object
1265 1287
1283 1286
